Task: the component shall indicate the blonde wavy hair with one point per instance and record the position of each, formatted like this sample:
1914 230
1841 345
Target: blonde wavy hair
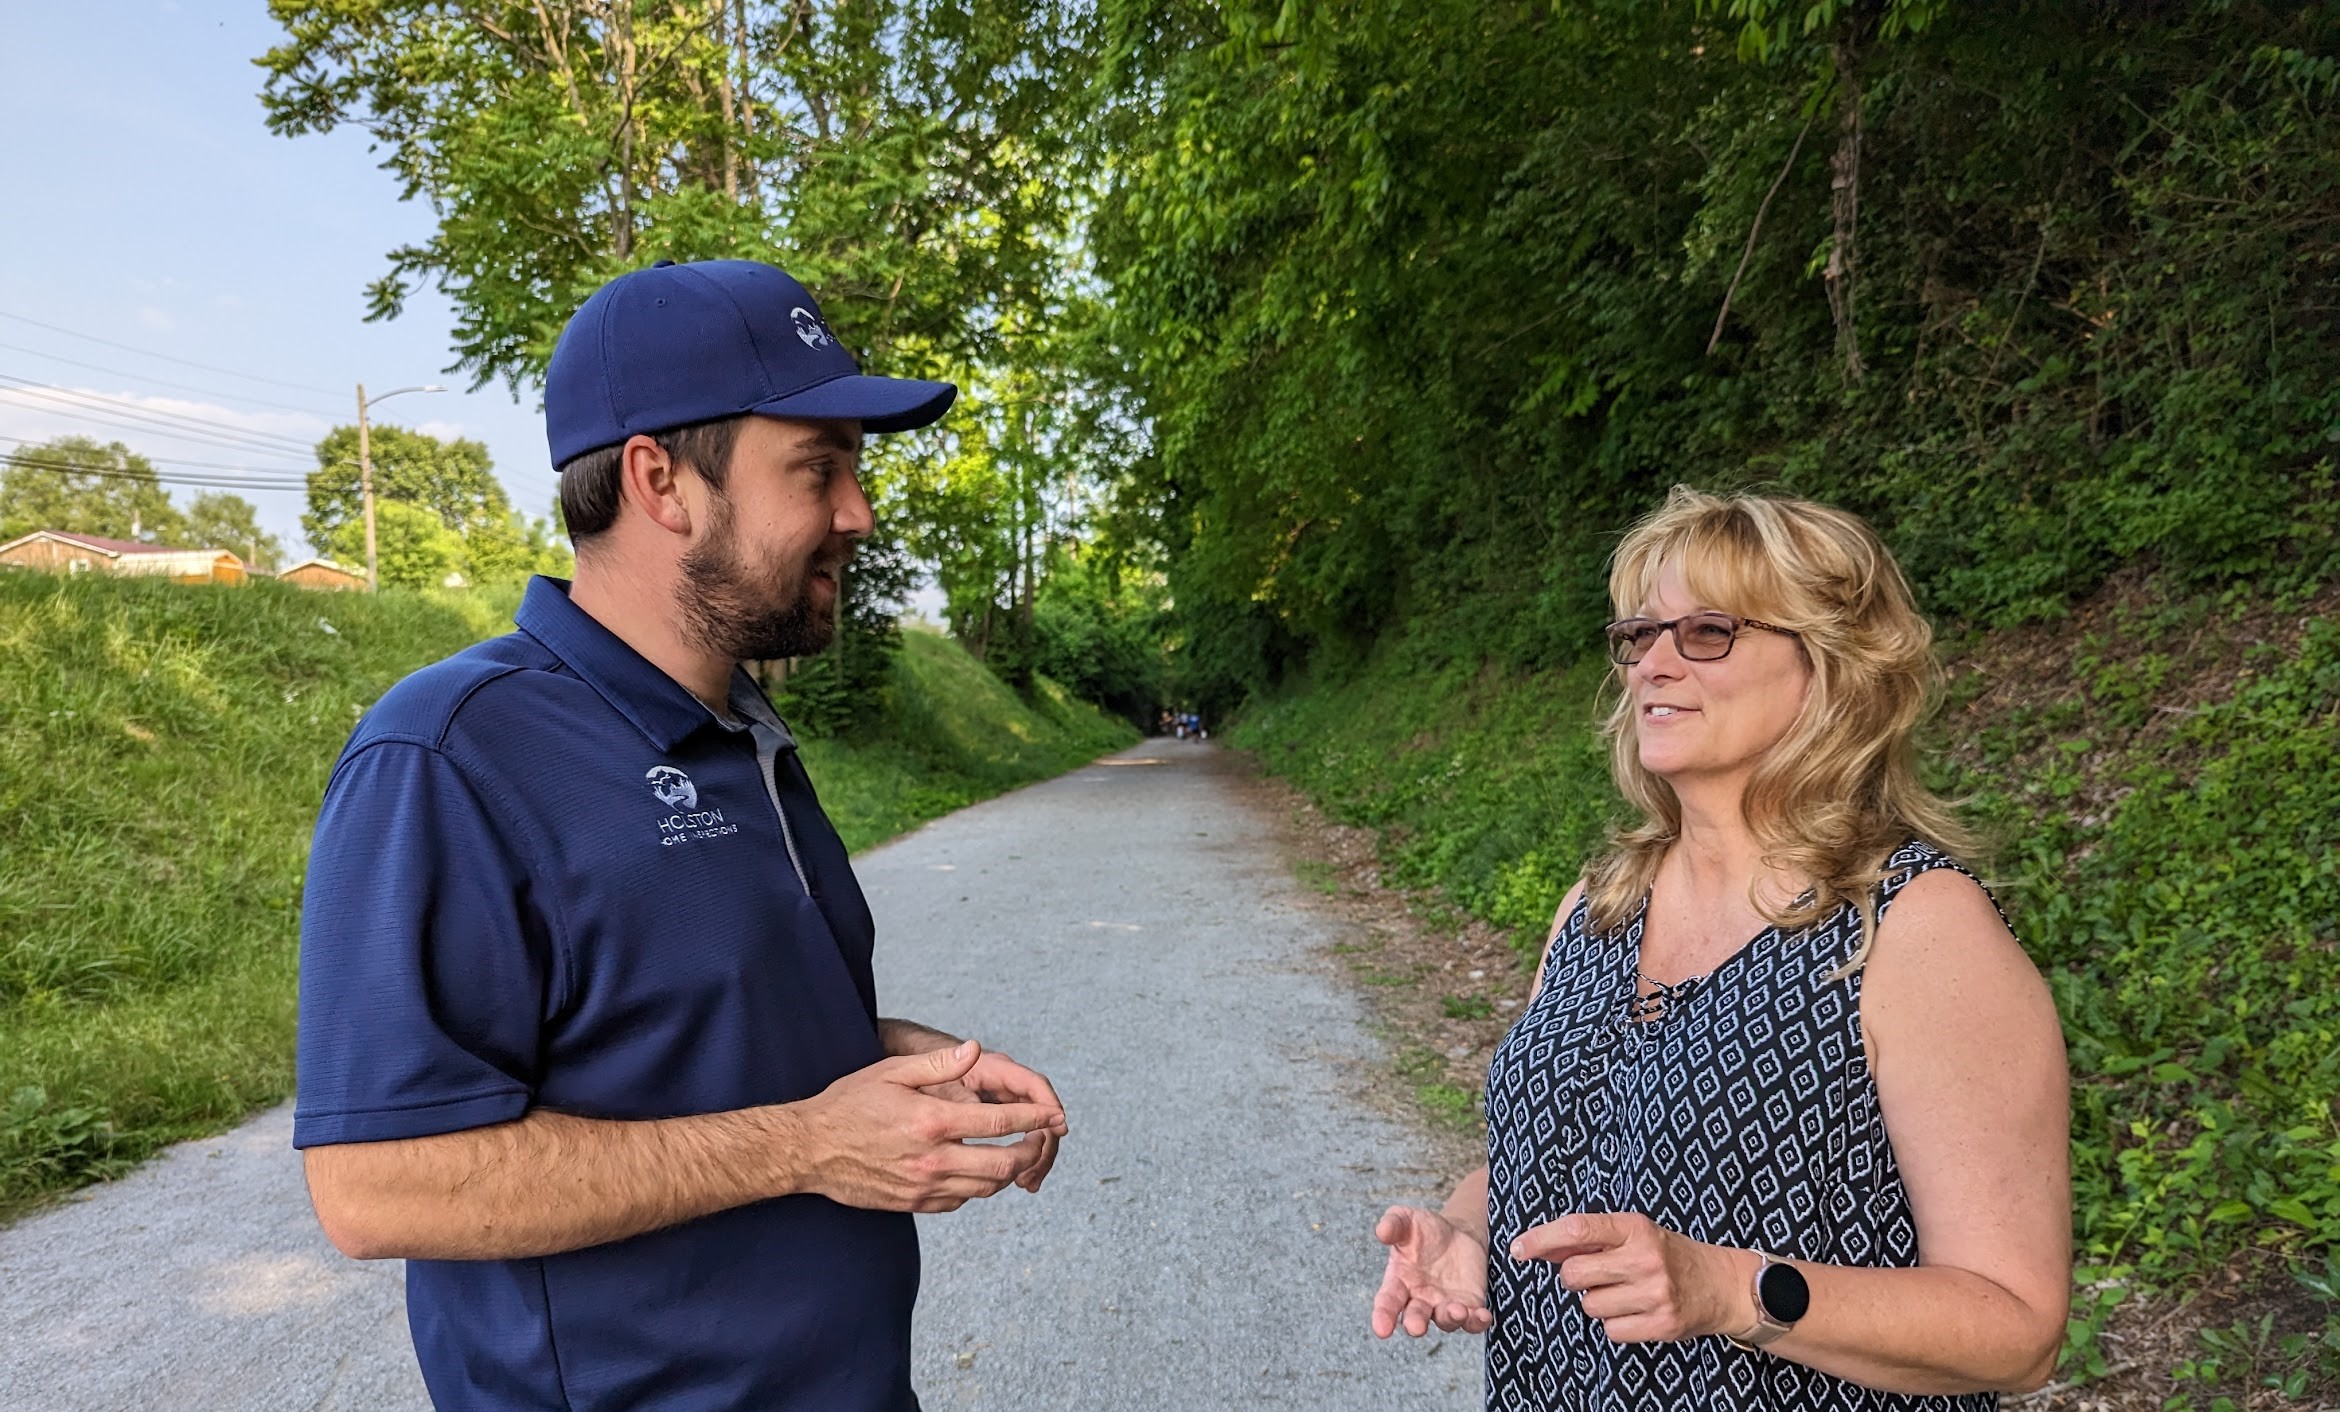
1839 792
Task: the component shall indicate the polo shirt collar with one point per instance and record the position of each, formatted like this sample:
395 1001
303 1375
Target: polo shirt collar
658 705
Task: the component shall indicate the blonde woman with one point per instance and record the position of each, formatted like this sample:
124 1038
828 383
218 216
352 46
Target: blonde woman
1784 1124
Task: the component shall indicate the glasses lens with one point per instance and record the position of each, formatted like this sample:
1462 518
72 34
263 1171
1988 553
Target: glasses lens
1706 636
1630 640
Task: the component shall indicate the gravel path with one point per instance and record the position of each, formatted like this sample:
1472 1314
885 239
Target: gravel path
1204 1243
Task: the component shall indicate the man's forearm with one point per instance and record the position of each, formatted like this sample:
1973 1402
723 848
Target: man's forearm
901 1037
546 1183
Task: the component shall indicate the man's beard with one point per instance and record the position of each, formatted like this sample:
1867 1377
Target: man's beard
747 612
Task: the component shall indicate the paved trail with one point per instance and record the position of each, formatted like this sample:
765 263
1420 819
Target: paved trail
1202 1247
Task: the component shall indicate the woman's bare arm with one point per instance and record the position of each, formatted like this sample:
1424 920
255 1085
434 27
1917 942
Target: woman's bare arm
1969 1063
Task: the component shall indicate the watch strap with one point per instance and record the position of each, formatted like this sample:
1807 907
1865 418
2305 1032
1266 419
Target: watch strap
1766 1328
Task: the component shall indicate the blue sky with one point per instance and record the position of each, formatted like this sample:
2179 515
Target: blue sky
148 205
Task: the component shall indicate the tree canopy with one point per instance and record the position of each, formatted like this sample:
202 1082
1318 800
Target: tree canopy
1426 300
82 486
218 519
451 484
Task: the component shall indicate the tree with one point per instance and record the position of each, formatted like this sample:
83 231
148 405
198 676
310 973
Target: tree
901 153
80 486
413 547
454 482
219 520
916 162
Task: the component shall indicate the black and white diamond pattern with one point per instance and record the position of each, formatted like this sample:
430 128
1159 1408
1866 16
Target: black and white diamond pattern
1745 1117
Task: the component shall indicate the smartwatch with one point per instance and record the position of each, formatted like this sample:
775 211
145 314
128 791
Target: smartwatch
1781 1298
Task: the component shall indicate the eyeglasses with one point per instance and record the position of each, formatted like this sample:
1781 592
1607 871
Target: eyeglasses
1700 637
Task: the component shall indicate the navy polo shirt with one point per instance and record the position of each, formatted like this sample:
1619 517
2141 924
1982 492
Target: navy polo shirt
547 875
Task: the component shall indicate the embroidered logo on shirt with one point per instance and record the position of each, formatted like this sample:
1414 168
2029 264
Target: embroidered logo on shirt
675 790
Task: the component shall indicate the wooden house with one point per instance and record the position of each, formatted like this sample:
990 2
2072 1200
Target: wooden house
323 573
57 552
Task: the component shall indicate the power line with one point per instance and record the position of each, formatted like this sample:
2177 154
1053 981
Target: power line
161 382
167 358
176 461
112 412
160 476
203 423
219 482
115 424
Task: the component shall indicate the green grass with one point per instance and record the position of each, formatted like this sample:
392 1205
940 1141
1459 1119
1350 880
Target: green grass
1466 1007
162 753
951 733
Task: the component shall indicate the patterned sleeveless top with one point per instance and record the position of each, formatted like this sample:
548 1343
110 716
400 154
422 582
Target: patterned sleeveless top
1744 1116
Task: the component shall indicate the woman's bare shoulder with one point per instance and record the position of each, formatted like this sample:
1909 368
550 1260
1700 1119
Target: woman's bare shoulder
1944 951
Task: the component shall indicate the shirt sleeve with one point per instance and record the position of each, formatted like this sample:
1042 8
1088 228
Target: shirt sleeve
423 969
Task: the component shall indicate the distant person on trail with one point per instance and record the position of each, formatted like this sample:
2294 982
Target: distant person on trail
1784 1123
588 1033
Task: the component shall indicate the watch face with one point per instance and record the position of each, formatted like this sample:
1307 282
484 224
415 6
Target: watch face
1784 1294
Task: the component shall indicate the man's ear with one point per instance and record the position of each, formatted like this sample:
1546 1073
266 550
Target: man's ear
652 482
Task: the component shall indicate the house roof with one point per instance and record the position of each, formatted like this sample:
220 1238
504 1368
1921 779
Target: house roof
322 564
113 548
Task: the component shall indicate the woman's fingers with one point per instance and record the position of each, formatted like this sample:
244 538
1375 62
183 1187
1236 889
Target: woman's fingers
1397 1226
1417 1317
1389 1303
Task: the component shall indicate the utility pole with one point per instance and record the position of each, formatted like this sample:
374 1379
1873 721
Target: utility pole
366 487
366 471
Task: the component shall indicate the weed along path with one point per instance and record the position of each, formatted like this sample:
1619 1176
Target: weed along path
1204 1243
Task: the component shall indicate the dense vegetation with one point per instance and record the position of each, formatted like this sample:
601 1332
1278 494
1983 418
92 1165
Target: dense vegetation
162 752
1429 299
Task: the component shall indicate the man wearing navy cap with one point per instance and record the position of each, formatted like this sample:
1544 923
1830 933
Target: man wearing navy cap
588 1033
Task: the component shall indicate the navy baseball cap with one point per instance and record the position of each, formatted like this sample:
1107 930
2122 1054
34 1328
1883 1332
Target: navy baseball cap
675 344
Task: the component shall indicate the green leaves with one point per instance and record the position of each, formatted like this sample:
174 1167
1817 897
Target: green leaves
1418 302
80 486
439 511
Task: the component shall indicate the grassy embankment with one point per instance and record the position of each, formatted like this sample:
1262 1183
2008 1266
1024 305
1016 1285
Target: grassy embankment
162 752
2163 776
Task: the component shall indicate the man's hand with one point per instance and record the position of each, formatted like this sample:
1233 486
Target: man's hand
999 1079
1437 1274
994 1079
879 1141
1645 1284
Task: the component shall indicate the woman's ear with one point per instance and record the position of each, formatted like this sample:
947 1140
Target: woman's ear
650 480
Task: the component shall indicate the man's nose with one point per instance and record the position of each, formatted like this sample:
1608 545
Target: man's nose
852 515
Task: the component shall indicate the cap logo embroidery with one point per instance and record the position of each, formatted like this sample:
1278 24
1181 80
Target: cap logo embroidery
810 328
673 788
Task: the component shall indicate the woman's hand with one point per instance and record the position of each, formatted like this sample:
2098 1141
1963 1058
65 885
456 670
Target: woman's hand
1645 1283
1437 1275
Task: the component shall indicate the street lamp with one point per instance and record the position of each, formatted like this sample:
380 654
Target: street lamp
366 468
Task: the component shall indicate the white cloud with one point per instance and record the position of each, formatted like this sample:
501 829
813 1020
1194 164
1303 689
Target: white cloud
156 319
